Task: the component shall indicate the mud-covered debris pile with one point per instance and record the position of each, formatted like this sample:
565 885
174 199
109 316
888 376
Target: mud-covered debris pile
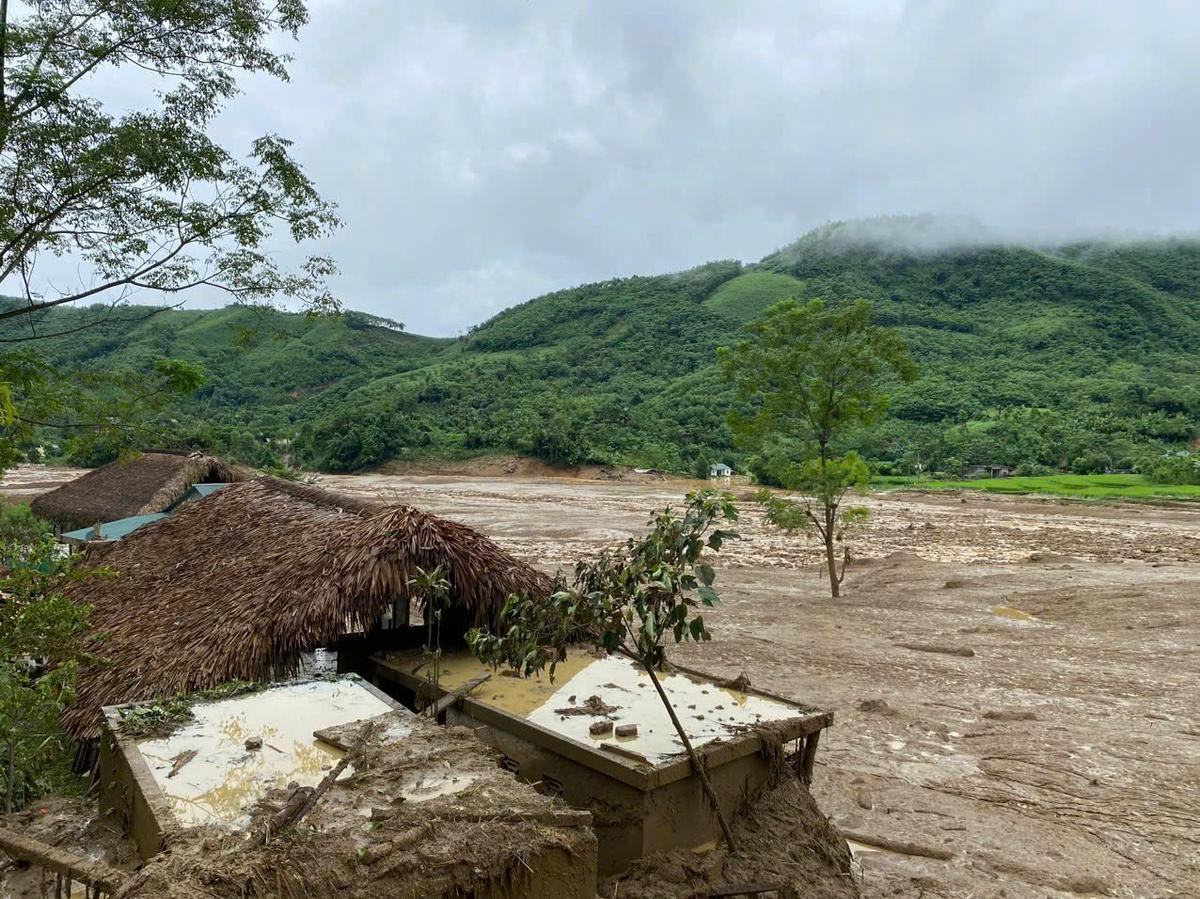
427 811
784 842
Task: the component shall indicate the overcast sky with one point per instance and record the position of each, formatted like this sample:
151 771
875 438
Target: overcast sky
483 153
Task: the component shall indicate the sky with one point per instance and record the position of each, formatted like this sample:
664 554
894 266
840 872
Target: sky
484 153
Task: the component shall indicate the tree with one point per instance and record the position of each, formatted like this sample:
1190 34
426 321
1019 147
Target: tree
626 601
432 591
40 651
144 200
807 373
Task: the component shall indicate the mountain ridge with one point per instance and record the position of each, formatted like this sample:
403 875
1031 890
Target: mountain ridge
1081 354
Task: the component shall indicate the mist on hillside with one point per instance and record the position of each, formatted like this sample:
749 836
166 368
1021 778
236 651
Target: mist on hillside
930 234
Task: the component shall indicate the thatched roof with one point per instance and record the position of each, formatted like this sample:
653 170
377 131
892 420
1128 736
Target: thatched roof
238 585
151 482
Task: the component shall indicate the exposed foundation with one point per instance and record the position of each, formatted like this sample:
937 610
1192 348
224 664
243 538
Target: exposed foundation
641 790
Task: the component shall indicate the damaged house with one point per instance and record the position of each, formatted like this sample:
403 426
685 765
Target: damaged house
152 483
241 585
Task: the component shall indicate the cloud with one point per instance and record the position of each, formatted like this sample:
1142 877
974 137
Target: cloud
484 153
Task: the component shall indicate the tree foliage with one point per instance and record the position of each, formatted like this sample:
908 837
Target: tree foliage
628 601
146 199
40 651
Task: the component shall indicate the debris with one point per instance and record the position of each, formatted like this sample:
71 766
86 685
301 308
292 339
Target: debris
180 760
900 846
304 798
600 728
1010 715
964 651
64 864
876 707
621 750
626 730
741 683
451 698
594 706
254 743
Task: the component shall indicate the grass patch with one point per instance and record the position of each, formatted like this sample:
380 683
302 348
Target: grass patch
1081 486
746 296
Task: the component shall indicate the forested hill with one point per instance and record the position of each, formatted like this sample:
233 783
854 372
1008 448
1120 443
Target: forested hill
1085 355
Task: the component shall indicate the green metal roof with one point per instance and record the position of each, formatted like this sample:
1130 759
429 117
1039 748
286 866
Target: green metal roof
112 530
123 527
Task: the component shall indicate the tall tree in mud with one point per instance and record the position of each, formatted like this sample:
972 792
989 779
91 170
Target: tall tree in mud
626 601
808 373
144 201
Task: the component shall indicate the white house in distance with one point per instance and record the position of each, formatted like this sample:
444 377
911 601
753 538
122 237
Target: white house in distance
719 470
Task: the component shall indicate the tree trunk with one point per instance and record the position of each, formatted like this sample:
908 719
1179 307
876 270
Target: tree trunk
831 560
701 772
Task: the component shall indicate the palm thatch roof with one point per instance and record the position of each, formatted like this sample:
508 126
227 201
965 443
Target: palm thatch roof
239 585
149 483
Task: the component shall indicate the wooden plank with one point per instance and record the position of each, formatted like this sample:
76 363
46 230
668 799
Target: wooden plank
51 858
900 846
451 698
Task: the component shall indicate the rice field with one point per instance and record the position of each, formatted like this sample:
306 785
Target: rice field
1079 486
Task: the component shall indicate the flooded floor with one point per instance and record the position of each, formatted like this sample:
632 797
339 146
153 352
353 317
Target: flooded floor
224 779
588 691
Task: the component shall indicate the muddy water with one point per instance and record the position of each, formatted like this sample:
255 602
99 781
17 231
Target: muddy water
1014 614
225 779
706 711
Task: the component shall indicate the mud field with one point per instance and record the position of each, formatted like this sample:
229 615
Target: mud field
1061 758
1054 751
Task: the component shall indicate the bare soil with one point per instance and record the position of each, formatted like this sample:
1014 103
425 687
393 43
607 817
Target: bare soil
1060 757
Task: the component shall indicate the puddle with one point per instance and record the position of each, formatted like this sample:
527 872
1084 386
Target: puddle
705 710
427 785
224 779
1014 614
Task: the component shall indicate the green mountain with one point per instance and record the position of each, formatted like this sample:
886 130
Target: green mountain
1082 356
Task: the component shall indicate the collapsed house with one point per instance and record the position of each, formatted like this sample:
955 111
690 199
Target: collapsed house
240 585
150 484
406 808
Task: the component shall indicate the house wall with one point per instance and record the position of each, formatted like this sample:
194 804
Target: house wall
630 822
129 792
